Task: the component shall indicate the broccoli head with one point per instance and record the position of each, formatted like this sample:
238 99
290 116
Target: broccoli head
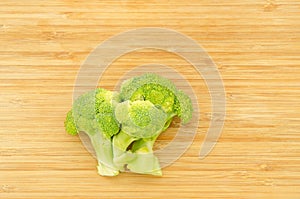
123 127
140 119
93 113
159 91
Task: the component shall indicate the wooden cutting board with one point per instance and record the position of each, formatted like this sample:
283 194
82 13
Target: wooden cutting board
255 45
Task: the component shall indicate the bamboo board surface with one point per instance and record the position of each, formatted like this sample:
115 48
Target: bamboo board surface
255 45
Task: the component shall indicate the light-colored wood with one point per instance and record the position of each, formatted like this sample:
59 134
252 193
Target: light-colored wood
255 45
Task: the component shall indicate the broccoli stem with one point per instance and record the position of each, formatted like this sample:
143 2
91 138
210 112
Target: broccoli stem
141 159
145 162
121 141
104 154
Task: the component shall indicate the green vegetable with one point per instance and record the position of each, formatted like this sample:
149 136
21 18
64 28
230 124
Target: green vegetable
124 127
161 92
139 120
164 95
93 114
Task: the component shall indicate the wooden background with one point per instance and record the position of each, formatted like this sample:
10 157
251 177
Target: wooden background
255 45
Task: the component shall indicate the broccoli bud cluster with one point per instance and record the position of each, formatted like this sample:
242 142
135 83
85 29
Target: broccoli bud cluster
123 126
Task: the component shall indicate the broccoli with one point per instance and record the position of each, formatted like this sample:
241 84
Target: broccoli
165 96
161 92
139 120
93 113
124 127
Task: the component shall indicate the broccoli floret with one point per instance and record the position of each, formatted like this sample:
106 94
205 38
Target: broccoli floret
164 95
93 113
139 120
161 92
70 125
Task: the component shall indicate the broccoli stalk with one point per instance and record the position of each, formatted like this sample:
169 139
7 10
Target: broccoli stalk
93 113
121 156
138 159
145 161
